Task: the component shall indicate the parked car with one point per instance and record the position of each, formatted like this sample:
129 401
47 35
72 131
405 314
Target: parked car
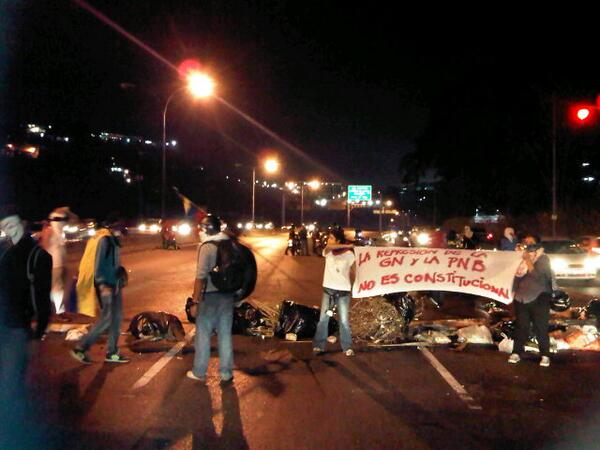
569 261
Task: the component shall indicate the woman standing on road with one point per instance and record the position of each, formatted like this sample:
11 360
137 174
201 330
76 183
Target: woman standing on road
533 291
339 258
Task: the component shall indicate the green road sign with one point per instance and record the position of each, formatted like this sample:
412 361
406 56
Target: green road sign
359 193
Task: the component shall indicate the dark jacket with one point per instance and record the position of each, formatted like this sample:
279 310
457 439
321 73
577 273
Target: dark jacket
17 307
107 261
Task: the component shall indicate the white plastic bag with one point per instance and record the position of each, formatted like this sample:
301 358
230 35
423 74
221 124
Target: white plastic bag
506 345
475 334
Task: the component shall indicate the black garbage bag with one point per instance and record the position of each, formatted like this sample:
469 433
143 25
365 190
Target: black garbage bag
504 329
560 301
406 306
246 317
154 325
300 320
592 309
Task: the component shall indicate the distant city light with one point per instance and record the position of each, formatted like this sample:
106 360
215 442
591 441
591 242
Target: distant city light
585 164
173 143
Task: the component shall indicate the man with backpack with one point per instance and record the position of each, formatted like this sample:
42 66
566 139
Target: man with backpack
215 303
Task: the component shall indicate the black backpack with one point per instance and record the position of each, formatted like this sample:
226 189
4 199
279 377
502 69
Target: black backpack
235 270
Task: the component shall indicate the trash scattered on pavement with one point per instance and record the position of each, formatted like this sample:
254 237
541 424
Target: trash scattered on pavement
75 334
475 334
152 325
432 337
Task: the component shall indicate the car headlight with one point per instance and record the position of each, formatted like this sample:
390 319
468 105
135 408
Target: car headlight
142 227
91 232
184 229
71 229
423 239
590 264
154 228
558 264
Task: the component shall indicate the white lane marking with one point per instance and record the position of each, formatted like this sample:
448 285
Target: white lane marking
163 361
447 376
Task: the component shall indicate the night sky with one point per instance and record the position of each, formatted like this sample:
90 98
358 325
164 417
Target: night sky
353 86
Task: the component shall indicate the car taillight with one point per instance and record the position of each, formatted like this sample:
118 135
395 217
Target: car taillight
489 236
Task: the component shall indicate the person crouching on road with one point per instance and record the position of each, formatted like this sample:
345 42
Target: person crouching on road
215 309
339 258
533 286
101 275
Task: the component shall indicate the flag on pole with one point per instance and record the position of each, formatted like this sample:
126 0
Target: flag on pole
190 208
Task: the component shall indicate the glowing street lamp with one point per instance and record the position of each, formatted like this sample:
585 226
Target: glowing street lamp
199 85
314 185
270 165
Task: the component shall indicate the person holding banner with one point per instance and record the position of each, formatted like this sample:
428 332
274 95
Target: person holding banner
533 286
339 259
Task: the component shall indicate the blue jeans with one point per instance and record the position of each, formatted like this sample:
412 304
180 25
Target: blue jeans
343 305
215 313
110 319
14 357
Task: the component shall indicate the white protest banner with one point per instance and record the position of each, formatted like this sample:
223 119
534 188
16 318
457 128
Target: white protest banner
383 270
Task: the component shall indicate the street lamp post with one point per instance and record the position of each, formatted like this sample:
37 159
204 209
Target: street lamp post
199 86
314 184
164 155
271 165
253 193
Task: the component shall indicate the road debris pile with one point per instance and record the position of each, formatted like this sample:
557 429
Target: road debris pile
384 319
154 326
394 320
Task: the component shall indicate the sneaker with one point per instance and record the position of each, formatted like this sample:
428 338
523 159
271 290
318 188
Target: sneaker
226 381
318 351
545 361
191 375
349 352
116 358
80 356
514 358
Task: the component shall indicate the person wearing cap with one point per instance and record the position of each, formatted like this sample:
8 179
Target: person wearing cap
101 278
532 287
52 240
214 308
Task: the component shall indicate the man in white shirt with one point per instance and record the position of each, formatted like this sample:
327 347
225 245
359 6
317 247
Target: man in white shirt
339 258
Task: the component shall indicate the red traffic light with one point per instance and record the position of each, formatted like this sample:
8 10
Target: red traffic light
583 113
